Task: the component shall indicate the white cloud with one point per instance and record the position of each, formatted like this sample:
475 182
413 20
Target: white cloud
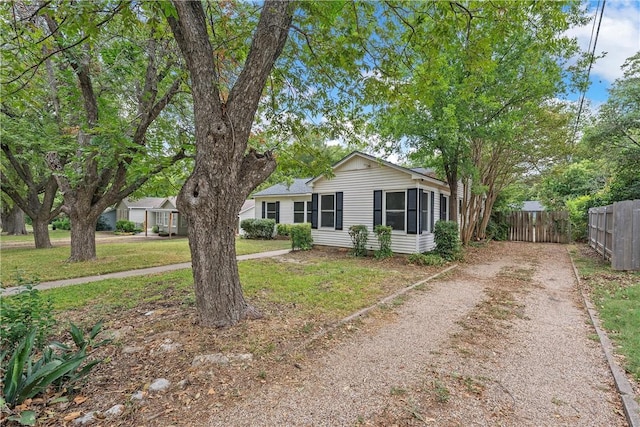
619 37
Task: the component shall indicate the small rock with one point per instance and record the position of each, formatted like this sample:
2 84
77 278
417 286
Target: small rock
86 419
170 347
149 313
132 349
161 384
138 395
114 411
116 334
183 384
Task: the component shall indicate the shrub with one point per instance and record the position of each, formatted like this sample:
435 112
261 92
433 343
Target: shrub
258 228
124 226
155 229
22 313
60 365
578 208
426 259
359 236
283 229
498 227
102 225
301 237
447 240
383 233
61 224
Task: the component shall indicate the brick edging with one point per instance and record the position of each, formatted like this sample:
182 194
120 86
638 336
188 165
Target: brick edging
629 404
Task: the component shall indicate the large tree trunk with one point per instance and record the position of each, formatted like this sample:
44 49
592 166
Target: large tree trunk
41 233
83 237
14 223
211 220
224 173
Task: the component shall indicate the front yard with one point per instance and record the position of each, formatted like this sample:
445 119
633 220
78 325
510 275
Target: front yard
27 265
155 320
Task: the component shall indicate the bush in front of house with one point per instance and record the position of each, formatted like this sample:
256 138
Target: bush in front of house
61 224
447 239
383 233
124 226
359 235
427 259
283 230
301 237
258 228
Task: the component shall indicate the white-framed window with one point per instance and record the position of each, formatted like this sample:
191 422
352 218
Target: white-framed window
395 210
309 211
162 218
425 218
271 210
298 212
327 210
122 214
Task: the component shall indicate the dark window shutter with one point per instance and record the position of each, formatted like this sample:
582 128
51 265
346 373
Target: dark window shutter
433 208
412 211
314 210
377 207
264 209
277 212
420 209
443 207
339 196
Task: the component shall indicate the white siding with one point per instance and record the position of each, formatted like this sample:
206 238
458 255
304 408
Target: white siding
286 206
249 213
137 216
357 179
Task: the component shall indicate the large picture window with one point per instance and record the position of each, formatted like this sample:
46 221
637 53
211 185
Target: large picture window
327 210
395 210
298 212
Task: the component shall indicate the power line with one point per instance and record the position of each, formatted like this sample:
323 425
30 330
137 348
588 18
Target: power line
591 58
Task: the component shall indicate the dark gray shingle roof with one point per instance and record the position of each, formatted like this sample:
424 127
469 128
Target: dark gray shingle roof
298 186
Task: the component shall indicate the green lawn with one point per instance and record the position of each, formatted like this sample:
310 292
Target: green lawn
53 235
25 265
319 287
616 295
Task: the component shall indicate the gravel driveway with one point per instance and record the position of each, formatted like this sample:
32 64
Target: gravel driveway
502 341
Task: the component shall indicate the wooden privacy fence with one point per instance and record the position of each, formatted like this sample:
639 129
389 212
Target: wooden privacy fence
543 226
614 232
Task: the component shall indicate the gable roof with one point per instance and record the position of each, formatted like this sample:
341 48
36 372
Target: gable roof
298 187
532 206
248 204
417 173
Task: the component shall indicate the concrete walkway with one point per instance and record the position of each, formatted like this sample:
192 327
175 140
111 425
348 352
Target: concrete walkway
122 274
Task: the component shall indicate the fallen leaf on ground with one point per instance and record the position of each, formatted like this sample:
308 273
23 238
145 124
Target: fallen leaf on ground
72 416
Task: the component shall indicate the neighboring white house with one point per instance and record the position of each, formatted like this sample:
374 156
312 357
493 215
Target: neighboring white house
153 211
370 191
287 204
246 211
136 210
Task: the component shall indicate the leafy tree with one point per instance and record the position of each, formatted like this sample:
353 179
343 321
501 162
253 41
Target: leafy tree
615 136
567 181
473 78
246 80
111 75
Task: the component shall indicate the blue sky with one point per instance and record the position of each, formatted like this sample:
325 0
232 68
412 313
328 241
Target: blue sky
619 38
